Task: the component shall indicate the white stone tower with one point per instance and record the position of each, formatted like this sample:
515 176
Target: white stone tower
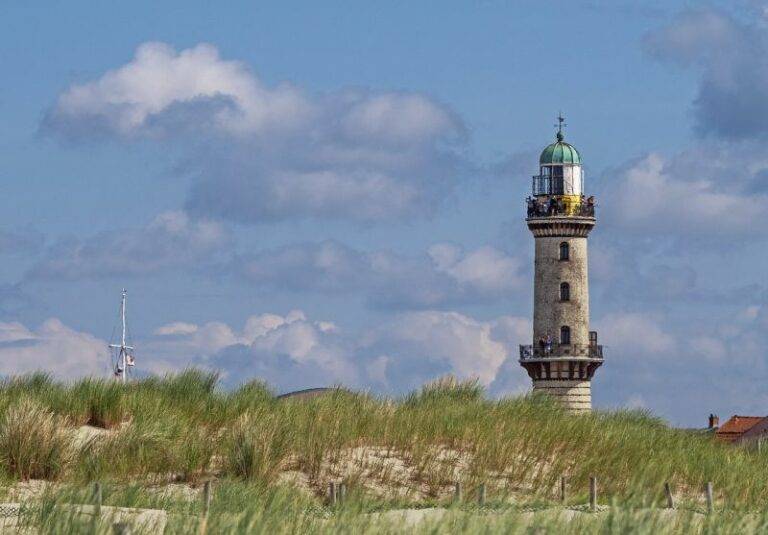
564 355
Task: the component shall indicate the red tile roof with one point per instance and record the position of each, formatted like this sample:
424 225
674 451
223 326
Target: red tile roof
737 426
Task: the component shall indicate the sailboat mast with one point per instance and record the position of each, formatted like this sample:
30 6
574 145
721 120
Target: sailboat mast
124 359
123 350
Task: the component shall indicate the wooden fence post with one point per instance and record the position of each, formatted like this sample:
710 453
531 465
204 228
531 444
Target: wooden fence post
342 492
710 498
332 493
670 498
206 497
97 498
593 494
481 494
457 492
562 489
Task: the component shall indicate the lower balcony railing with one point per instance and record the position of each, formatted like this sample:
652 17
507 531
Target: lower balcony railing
592 351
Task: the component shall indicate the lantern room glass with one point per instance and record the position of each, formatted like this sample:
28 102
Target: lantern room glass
559 180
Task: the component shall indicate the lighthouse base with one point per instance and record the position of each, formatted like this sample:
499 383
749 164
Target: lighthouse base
573 395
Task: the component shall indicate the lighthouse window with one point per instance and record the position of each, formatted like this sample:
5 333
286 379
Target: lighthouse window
557 181
564 251
565 292
565 335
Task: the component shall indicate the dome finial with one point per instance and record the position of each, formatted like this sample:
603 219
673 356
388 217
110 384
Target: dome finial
560 124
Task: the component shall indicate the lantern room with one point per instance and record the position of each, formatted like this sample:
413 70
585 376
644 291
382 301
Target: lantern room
560 170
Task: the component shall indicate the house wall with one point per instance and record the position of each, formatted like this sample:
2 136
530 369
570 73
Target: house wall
760 430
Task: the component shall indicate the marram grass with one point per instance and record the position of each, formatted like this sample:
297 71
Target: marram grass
237 508
33 444
185 429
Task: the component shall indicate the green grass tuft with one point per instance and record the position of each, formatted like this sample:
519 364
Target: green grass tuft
33 443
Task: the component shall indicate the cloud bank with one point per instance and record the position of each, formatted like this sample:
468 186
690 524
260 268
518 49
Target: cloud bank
258 153
171 240
685 368
53 347
445 275
706 193
732 59
293 352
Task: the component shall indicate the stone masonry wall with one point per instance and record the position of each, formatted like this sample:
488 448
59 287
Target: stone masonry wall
576 396
549 313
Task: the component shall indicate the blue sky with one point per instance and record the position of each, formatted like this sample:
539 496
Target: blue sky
315 194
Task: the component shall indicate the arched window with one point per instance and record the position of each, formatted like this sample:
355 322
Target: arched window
565 291
565 335
564 251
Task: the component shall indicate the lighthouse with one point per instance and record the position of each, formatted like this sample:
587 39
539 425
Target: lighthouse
564 354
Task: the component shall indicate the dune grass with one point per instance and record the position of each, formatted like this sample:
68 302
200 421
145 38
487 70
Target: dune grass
185 428
242 508
33 444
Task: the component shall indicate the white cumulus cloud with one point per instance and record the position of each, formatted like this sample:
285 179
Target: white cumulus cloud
703 193
291 351
53 347
635 333
448 342
130 100
259 153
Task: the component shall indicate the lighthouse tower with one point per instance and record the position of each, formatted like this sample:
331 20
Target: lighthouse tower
564 354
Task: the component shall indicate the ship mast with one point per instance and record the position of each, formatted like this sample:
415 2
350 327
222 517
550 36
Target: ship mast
124 359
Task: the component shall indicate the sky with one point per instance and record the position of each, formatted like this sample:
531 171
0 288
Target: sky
315 194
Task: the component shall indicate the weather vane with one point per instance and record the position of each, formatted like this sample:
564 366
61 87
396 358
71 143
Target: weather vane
560 124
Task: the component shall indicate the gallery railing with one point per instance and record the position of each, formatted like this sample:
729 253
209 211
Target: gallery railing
592 351
547 209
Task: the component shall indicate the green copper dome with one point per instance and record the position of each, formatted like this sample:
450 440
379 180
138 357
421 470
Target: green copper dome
559 152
